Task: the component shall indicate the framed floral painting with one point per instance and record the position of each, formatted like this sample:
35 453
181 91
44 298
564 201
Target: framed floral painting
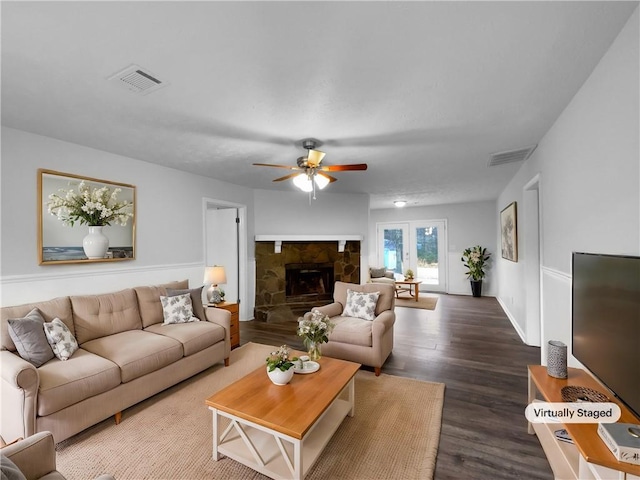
509 232
83 219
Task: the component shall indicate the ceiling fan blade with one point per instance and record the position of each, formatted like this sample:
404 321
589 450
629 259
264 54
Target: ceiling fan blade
288 167
326 175
287 177
314 157
344 168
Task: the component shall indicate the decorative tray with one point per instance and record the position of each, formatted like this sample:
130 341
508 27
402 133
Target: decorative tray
572 393
307 367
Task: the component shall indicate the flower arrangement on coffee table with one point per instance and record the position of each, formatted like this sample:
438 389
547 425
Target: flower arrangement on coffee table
279 365
280 360
314 328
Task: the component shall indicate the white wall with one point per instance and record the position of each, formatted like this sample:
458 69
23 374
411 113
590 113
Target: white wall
590 170
169 224
331 213
468 224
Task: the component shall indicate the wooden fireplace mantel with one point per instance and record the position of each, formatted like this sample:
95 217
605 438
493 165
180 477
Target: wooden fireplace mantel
278 239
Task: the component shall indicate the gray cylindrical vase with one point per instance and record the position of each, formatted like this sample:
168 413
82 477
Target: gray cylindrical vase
557 359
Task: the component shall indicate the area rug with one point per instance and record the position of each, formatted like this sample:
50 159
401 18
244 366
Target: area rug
394 434
424 302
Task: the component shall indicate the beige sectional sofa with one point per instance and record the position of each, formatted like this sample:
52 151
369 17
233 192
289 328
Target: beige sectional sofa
125 355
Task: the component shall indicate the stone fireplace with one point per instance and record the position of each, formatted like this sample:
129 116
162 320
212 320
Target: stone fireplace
301 275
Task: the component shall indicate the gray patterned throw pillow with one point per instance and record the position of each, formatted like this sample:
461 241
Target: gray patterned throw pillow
62 341
361 305
177 309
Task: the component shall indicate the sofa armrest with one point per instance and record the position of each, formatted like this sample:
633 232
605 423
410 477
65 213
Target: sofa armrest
333 309
19 384
35 456
383 322
221 317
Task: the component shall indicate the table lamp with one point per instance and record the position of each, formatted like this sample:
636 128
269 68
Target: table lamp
214 276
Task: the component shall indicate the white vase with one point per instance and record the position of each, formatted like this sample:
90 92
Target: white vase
96 243
279 377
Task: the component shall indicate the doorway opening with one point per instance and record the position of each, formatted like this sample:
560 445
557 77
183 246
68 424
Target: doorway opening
419 246
225 244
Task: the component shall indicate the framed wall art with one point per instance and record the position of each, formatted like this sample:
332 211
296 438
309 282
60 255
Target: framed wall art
83 219
509 232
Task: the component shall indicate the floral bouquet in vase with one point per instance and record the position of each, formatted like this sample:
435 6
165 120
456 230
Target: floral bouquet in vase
279 365
314 328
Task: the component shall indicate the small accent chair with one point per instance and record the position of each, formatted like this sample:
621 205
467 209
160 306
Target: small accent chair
362 341
35 458
382 275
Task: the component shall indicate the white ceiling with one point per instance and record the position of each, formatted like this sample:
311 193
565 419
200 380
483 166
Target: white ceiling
423 92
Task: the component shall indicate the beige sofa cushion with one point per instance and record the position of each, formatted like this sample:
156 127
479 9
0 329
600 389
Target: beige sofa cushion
82 376
97 316
194 336
351 330
136 352
149 301
58 307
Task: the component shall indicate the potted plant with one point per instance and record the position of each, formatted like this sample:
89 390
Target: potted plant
475 259
279 366
408 275
314 328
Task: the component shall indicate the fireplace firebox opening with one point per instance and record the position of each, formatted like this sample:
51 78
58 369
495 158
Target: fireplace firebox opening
309 280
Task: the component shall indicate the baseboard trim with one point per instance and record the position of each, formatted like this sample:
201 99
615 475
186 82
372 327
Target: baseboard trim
511 318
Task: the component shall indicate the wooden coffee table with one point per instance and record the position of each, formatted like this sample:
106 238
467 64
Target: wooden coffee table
408 286
280 431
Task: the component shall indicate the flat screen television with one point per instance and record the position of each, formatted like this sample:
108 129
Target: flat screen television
606 321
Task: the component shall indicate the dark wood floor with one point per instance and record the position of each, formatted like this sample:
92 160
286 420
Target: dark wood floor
468 344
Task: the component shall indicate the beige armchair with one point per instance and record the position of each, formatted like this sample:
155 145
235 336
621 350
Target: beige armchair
382 275
35 458
362 341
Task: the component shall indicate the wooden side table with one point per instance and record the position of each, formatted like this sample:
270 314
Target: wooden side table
235 320
411 286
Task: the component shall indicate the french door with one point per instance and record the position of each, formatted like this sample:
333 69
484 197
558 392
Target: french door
419 246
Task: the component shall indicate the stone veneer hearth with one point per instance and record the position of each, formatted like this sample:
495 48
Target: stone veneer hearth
272 302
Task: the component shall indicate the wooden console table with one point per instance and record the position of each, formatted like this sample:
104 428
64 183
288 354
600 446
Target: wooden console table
588 457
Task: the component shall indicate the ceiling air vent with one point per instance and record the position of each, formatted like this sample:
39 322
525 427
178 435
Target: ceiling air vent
138 80
512 156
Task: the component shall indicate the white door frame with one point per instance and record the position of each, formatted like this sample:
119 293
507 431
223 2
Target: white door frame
532 230
246 304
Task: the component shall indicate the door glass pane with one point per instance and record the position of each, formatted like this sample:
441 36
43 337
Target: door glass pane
393 253
427 253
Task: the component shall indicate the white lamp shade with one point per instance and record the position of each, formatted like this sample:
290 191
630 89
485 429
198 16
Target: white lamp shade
215 275
303 182
321 181
315 157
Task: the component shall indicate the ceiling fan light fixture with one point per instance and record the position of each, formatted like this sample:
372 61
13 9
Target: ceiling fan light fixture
400 203
314 157
303 182
321 181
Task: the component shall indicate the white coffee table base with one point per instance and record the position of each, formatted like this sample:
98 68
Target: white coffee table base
272 453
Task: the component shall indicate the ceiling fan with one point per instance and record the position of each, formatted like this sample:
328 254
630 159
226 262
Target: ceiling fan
309 172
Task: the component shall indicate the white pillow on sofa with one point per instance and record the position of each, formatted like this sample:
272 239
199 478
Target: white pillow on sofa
177 309
361 305
62 341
